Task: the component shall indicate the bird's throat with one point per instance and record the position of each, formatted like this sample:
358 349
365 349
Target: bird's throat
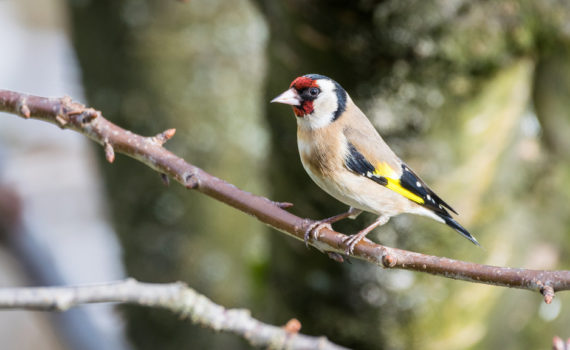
305 108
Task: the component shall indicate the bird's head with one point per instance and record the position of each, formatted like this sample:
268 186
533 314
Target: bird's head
317 100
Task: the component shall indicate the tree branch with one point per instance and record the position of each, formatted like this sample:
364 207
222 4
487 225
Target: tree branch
175 297
71 115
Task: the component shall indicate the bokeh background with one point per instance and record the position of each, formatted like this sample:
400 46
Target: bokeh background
474 95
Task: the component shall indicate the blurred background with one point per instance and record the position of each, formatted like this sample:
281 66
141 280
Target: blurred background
474 95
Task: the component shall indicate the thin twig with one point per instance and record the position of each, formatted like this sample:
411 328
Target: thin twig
71 115
176 297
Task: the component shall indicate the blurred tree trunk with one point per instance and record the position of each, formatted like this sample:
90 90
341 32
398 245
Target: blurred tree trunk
152 65
449 85
341 301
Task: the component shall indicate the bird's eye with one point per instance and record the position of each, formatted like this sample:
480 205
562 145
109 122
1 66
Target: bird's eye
314 91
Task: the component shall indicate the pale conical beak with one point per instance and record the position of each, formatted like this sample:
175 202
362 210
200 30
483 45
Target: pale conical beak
289 97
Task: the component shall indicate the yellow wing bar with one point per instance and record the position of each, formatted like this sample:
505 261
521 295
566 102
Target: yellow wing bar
384 170
395 186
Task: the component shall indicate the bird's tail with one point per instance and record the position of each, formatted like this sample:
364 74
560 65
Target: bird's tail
457 227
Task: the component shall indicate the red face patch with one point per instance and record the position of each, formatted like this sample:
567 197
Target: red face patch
305 108
303 82
299 84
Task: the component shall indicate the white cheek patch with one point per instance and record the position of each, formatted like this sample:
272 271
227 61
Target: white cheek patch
324 107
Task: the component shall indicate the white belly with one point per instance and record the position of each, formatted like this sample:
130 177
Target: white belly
362 193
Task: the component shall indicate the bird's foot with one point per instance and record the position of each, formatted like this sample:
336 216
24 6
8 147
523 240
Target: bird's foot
350 242
312 232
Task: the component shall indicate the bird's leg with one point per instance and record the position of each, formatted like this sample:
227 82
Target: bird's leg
317 226
352 240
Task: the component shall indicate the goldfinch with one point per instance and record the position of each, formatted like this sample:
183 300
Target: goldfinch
345 156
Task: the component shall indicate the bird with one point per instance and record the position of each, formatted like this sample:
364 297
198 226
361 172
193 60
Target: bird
345 156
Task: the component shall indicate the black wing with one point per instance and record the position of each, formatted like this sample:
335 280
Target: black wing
356 162
419 192
410 181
